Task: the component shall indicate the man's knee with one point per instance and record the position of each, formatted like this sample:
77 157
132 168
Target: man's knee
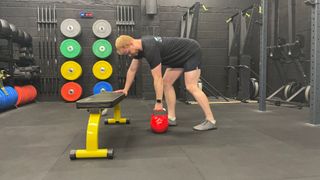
192 88
167 83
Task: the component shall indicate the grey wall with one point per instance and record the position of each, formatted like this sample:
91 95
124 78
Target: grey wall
212 32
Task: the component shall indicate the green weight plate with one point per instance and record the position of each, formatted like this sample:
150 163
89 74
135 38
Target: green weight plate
70 48
101 48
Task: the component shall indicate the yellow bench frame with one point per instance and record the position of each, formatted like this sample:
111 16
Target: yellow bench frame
92 140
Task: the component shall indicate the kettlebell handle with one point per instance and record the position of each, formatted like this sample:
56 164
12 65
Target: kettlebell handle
162 112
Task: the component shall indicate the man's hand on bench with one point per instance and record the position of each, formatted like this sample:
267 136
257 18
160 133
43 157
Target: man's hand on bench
125 92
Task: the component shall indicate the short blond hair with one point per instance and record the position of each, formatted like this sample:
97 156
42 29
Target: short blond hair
123 41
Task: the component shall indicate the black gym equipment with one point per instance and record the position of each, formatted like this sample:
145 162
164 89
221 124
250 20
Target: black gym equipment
282 54
189 29
16 55
125 25
254 88
48 55
5 30
241 27
14 30
20 38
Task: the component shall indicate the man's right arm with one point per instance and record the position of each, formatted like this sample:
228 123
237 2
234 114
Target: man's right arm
134 66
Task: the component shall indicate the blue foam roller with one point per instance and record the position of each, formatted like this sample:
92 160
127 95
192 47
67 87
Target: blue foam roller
13 96
7 101
2 99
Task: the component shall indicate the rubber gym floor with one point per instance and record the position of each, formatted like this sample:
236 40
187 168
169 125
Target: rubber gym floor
248 145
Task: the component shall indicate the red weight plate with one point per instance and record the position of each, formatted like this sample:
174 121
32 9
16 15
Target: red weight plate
71 91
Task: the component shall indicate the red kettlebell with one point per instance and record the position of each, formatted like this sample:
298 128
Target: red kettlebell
159 122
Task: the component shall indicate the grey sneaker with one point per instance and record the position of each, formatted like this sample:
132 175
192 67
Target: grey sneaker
172 122
204 126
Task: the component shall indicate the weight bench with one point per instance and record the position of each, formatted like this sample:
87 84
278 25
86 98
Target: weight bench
95 104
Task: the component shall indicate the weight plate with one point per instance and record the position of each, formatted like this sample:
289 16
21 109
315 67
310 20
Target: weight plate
71 70
71 91
102 48
254 88
70 28
256 85
70 48
4 27
101 87
30 50
23 50
287 90
102 70
290 89
307 93
27 38
101 28
14 30
20 37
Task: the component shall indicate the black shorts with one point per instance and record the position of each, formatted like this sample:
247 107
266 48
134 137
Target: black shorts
194 62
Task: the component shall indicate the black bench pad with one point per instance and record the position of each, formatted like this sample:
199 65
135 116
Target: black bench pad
102 100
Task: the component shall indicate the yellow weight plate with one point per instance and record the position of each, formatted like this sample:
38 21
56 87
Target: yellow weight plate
71 70
102 70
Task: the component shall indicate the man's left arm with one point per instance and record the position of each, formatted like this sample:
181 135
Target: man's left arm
158 86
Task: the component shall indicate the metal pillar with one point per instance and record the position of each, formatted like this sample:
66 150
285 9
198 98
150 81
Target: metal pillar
274 22
315 62
263 56
291 20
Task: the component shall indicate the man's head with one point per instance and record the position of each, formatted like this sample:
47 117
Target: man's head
126 45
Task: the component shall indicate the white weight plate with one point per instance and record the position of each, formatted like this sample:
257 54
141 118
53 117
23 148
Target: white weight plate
70 28
101 28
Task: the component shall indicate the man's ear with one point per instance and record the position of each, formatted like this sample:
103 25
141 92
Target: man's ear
131 43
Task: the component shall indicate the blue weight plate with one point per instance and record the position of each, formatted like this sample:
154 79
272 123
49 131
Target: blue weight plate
102 86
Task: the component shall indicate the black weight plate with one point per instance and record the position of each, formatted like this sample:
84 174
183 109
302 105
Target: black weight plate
14 30
5 28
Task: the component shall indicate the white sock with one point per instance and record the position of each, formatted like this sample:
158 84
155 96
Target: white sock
212 121
172 118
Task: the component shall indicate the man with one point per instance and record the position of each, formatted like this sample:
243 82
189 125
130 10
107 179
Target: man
179 55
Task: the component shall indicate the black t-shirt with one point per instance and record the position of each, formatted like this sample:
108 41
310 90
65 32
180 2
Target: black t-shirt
170 51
